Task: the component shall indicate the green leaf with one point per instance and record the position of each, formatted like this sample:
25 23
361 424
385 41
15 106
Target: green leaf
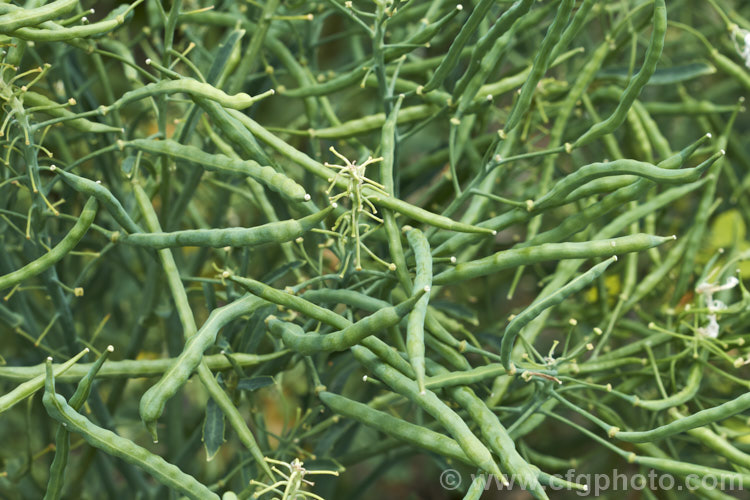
213 429
254 383
663 76
127 164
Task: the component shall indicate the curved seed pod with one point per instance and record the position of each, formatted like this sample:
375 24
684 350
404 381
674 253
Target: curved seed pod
30 17
129 368
62 438
112 444
698 419
715 442
427 217
531 312
234 131
656 276
349 297
389 54
600 186
617 199
306 343
54 32
412 434
482 47
103 196
266 175
429 402
193 88
495 434
185 314
579 19
393 234
517 216
541 63
620 167
415 323
58 252
383 350
454 52
272 232
549 251
318 169
29 387
636 84
153 401
373 122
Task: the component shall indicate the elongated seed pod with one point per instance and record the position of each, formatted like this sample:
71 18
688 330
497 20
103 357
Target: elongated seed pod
349 297
265 175
698 419
152 403
272 232
102 195
31 17
29 387
298 340
518 215
52 108
129 368
392 232
234 131
62 437
636 84
326 316
599 186
318 169
112 444
54 32
579 19
656 276
412 434
191 87
503 24
215 391
373 122
548 251
429 402
531 312
580 220
415 323
542 61
389 54
715 442
58 252
426 217
622 167
495 435
454 52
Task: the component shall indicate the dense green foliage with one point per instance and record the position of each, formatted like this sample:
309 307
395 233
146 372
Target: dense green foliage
246 245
